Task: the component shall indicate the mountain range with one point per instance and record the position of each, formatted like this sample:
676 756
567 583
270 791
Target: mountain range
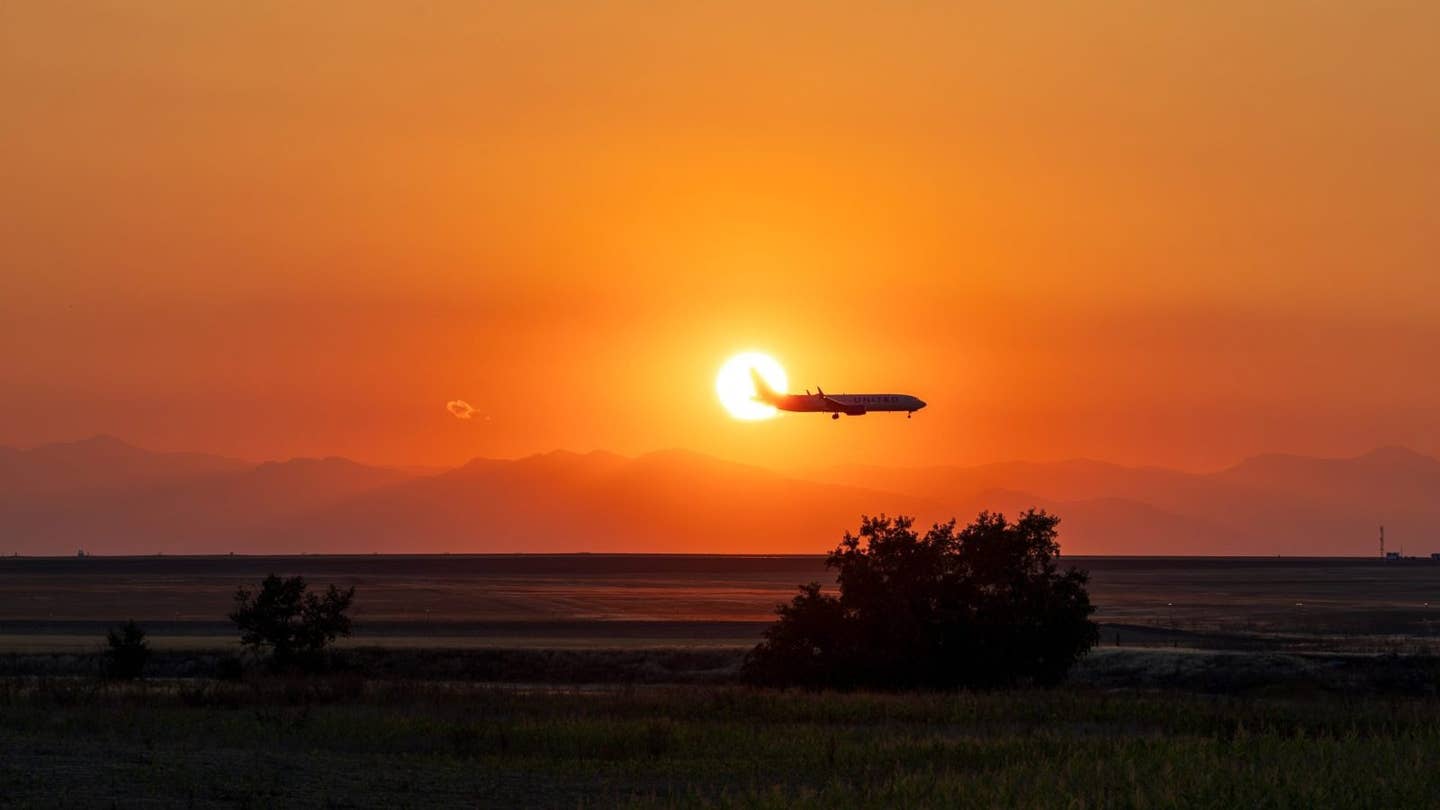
108 497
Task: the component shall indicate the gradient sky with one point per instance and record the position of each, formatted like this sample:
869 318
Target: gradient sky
1171 233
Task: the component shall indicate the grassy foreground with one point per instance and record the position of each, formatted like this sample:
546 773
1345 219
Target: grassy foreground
346 742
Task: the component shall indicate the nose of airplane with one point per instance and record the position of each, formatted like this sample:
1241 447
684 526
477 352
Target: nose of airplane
919 403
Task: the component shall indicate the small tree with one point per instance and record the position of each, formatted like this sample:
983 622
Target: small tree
294 626
127 653
981 606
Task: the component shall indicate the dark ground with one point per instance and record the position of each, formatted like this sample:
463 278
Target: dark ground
346 742
661 601
603 681
1223 672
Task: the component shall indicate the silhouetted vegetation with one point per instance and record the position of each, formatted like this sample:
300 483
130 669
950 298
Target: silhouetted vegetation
229 668
127 652
1191 671
981 606
323 742
290 624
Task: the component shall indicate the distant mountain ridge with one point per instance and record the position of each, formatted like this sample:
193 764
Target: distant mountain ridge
1267 504
110 497
99 464
106 496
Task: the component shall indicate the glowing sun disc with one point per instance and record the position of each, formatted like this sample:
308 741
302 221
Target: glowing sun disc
737 389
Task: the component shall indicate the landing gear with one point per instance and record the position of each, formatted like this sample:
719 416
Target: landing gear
909 414
834 416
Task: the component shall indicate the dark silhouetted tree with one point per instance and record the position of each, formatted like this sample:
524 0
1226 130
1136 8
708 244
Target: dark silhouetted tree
127 652
982 606
294 626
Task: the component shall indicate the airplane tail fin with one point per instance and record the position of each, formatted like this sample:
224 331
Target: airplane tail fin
763 391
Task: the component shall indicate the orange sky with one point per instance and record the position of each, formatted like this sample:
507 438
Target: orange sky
1144 232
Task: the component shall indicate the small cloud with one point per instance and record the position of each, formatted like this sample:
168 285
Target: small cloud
460 409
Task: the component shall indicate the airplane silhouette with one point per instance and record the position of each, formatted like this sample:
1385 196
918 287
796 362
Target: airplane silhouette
834 404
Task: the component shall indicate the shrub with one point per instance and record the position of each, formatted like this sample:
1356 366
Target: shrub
982 606
229 668
289 623
127 652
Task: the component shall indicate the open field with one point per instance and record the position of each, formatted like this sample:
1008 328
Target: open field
1222 672
600 681
665 601
348 743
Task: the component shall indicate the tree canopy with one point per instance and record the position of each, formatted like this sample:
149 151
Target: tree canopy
293 624
985 605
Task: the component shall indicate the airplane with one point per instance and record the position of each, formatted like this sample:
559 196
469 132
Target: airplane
834 404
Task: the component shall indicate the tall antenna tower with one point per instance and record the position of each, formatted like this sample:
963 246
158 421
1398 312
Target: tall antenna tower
1382 541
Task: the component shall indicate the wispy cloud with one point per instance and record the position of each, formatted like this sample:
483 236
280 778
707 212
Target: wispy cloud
461 409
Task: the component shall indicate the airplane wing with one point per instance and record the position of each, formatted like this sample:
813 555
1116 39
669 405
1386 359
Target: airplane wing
840 407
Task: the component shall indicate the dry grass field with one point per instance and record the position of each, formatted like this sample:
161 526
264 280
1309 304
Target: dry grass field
610 681
349 743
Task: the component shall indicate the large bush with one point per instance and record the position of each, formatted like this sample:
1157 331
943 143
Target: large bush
290 623
981 606
126 652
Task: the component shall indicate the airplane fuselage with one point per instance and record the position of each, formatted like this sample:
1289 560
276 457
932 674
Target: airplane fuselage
834 404
848 404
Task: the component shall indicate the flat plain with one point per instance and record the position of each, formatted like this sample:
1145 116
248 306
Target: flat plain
585 681
347 743
560 601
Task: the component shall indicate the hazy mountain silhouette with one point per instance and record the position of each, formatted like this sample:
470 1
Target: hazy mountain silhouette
1389 476
110 497
99 464
671 501
1271 504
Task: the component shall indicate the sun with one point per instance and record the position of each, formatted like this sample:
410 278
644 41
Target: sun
737 389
